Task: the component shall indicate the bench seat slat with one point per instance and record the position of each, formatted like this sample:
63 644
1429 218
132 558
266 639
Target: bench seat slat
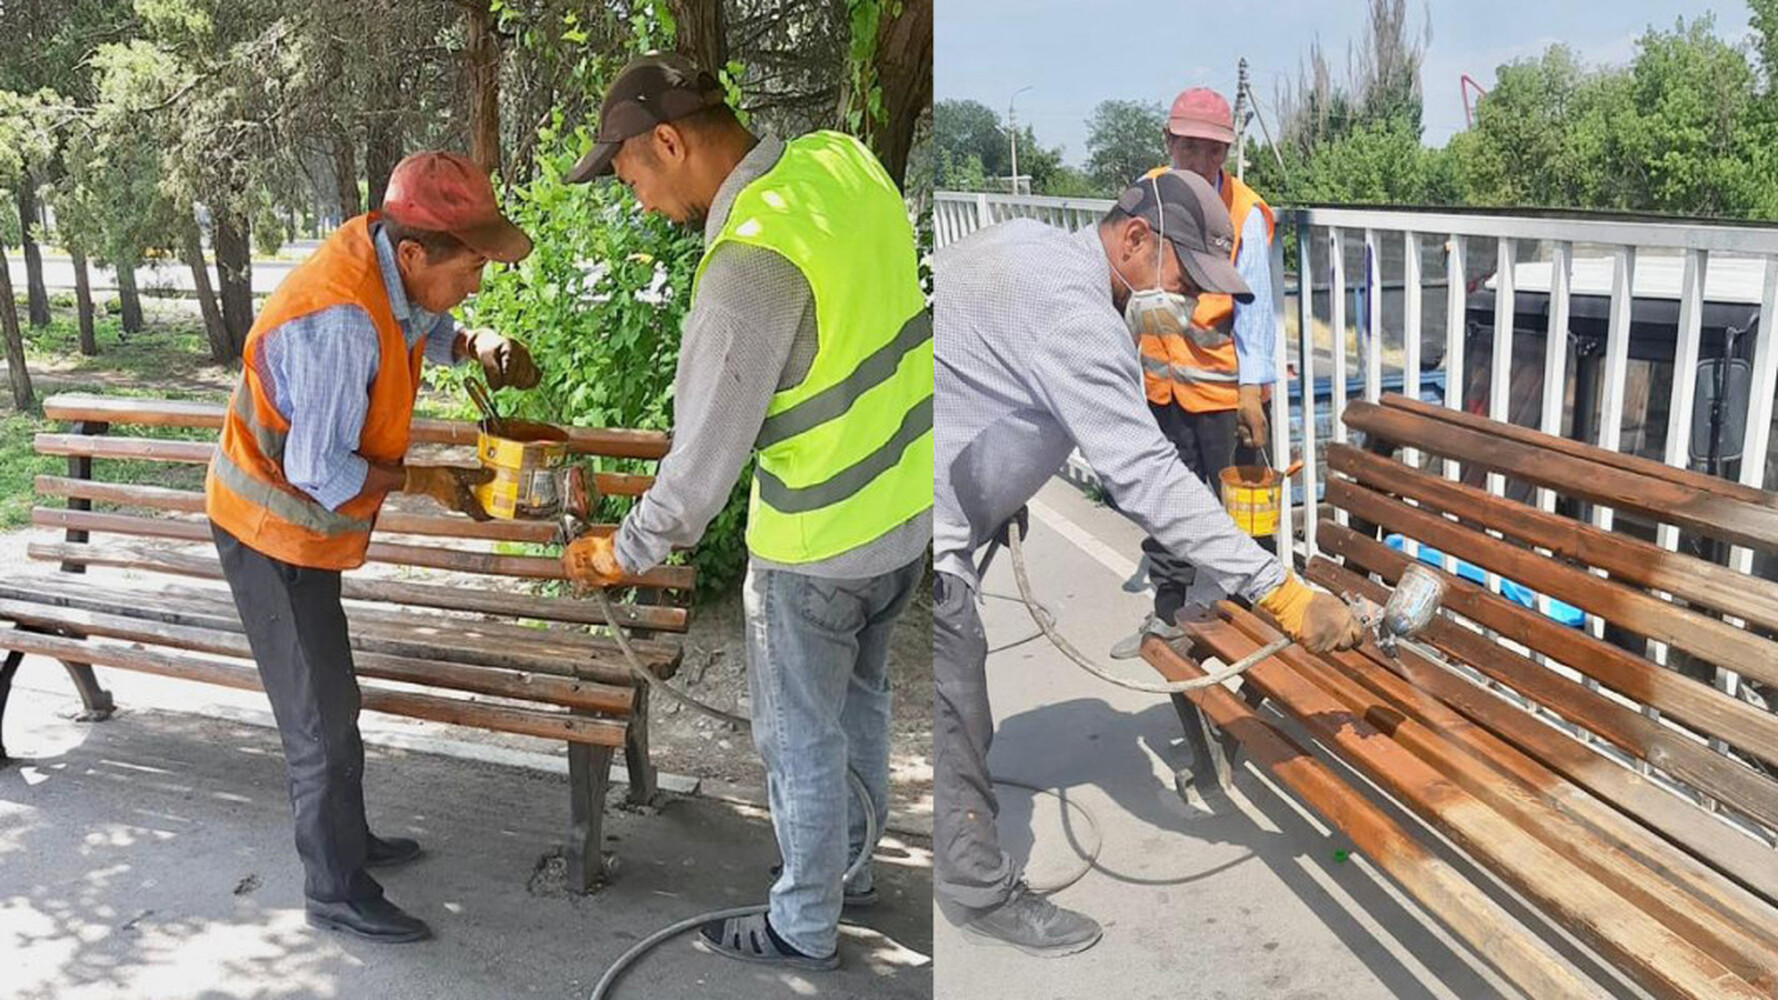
396 632
400 553
242 675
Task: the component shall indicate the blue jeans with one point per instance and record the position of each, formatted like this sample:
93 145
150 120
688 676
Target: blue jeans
818 673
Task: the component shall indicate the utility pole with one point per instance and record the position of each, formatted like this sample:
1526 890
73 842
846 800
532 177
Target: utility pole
1241 120
1012 134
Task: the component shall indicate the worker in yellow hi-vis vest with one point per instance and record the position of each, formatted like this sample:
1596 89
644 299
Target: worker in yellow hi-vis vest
1207 387
808 344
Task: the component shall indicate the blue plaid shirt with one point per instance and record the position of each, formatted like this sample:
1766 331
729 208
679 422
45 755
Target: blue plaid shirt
318 370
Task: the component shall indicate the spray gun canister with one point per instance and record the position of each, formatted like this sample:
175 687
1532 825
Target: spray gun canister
1411 607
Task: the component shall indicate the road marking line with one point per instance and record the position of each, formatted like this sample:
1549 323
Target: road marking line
1083 539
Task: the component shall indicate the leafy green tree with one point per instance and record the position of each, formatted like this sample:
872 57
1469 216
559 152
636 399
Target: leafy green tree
1124 141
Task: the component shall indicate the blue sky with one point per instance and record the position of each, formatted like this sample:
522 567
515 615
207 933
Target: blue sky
1075 55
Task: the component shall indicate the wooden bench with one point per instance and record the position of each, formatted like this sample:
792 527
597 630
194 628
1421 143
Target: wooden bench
1633 805
463 653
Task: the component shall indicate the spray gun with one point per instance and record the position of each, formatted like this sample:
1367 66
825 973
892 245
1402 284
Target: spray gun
1411 607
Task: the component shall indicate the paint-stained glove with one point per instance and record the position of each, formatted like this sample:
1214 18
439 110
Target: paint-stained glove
1319 622
1250 417
449 485
591 561
504 360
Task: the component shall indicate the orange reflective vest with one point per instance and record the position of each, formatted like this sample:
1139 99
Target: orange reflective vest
245 491
1177 369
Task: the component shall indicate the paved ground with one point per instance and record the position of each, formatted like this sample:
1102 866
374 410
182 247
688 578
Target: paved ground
149 857
1258 901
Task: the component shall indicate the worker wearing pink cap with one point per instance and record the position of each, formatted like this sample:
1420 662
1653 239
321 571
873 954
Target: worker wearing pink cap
1207 384
313 442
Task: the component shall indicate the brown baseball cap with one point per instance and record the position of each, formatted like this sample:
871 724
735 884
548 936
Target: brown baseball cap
1185 209
651 89
448 193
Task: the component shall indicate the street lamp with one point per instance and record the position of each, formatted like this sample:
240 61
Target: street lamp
1012 133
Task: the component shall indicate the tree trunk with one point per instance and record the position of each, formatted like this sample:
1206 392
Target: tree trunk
702 32
380 156
83 299
127 295
22 396
221 347
483 79
904 73
234 271
38 296
345 174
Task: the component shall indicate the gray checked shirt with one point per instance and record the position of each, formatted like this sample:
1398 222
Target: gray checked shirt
1032 361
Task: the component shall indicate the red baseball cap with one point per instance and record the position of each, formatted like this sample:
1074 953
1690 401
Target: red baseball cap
1201 113
448 193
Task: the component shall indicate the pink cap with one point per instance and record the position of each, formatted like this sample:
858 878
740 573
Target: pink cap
448 193
1201 113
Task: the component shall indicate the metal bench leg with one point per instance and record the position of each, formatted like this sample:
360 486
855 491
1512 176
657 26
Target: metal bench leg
10 667
1208 776
644 781
589 778
95 701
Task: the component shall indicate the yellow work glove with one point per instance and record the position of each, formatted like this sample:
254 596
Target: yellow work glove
591 561
504 360
449 485
1319 622
1250 417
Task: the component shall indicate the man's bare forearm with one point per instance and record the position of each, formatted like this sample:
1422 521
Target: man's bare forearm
382 479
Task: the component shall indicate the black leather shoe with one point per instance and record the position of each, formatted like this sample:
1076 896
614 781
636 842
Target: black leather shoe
391 852
374 920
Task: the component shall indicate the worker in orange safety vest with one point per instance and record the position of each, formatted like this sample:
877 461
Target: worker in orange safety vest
1207 385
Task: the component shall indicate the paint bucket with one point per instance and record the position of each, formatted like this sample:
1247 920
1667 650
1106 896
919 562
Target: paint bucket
1251 493
525 457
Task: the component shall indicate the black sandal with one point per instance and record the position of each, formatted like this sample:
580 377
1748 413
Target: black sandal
751 939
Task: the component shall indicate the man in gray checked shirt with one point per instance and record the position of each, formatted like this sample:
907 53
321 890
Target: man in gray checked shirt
1035 338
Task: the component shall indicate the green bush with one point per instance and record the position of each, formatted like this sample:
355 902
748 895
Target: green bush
600 302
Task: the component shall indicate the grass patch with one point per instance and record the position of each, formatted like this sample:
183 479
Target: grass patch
163 352
19 466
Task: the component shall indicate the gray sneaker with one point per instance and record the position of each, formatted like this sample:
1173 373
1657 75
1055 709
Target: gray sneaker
1035 926
1130 647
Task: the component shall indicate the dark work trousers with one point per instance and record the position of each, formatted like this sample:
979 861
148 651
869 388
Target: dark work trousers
970 870
296 628
1206 444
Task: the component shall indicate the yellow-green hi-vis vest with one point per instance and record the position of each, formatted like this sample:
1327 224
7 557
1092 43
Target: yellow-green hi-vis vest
845 455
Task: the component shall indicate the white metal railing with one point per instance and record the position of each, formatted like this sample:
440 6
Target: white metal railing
1531 254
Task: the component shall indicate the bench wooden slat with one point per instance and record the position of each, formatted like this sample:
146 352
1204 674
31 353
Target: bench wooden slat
1528 794
1495 934
1698 705
243 676
1653 954
1636 464
1737 856
451 525
401 553
428 595
377 630
610 442
1739 521
567 692
1627 558
1708 638
199 452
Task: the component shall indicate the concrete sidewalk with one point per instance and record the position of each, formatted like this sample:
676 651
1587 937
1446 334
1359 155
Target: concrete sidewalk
150 857
1257 901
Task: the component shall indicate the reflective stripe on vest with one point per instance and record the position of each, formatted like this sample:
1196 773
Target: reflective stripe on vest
845 455
299 510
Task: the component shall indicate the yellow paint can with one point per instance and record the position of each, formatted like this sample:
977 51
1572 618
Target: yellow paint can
525 458
1251 494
